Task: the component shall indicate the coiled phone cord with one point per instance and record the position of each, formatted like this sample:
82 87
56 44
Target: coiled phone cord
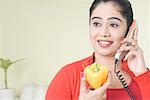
123 82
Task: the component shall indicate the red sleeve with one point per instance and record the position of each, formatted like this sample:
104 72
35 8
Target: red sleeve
59 87
143 82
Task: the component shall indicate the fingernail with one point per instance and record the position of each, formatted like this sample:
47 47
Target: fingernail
82 74
124 59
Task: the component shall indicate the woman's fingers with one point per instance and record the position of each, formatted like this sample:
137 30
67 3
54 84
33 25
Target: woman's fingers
126 48
107 84
131 30
129 40
135 34
133 48
83 83
127 44
134 51
97 94
130 54
103 88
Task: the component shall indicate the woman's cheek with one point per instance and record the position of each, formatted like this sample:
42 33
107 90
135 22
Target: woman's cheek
118 36
93 36
117 41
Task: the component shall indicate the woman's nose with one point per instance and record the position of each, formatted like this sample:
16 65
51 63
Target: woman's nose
104 32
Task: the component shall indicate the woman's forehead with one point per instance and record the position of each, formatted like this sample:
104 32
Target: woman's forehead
107 10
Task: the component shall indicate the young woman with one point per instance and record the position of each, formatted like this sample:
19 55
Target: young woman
111 28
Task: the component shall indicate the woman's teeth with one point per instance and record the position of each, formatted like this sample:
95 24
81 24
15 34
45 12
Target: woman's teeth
105 44
102 42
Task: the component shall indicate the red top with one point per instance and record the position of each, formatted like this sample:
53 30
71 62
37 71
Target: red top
66 84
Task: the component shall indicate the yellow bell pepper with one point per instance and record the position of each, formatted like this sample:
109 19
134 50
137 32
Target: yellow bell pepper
96 75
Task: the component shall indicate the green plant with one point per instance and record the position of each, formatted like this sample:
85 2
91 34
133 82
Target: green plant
5 64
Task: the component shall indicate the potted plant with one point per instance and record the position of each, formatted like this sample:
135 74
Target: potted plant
7 93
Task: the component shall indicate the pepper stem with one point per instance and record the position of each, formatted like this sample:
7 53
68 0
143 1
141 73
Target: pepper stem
96 68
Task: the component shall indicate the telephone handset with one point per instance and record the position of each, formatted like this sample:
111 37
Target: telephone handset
118 57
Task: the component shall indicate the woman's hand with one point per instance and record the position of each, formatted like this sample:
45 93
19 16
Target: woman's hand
135 56
98 94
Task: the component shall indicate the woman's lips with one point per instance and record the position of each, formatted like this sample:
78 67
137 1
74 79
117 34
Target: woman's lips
105 43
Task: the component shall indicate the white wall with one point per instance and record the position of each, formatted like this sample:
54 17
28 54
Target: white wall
51 34
142 14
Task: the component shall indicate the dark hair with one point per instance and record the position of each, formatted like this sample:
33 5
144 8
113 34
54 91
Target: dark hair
125 9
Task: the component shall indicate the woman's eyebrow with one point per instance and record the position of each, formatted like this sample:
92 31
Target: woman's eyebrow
108 18
115 18
96 18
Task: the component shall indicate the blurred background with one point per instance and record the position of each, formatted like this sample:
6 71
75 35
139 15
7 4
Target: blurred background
51 34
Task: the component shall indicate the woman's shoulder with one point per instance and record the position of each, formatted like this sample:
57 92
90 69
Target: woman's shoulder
77 66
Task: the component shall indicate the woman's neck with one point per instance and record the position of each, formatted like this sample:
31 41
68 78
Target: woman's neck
104 60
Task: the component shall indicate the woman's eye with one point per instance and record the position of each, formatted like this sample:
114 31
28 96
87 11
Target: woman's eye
96 24
114 25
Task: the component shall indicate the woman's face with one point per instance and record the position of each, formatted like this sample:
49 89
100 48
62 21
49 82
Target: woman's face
107 28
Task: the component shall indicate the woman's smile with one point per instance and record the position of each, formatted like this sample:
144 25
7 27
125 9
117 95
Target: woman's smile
105 43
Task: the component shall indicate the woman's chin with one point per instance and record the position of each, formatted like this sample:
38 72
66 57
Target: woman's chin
105 53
